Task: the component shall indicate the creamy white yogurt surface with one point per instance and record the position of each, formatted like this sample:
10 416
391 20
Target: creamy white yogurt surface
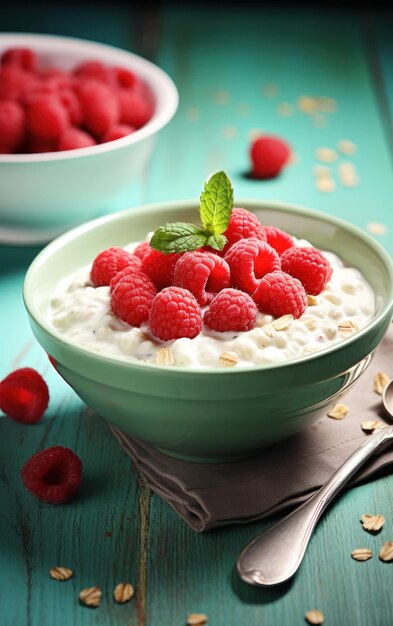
82 313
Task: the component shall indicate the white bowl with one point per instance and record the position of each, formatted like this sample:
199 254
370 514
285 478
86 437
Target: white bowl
44 194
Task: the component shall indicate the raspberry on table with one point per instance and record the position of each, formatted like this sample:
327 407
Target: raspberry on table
202 273
160 267
24 395
100 107
53 474
175 313
132 297
133 267
12 124
141 249
268 155
231 309
22 58
46 118
278 239
309 265
117 132
280 294
249 260
242 225
108 263
74 138
135 109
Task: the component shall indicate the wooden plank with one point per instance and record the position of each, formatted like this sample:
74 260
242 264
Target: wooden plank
220 62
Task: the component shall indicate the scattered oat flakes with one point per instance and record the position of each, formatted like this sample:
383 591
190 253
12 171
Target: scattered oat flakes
270 90
372 522
319 120
229 132
61 573
309 322
327 155
375 228
285 109
361 554
339 411
307 105
386 552
315 617
91 596
193 114
381 380
283 322
311 300
165 356
243 109
325 185
347 327
322 171
371 425
196 619
123 592
347 147
269 329
228 359
221 96
327 105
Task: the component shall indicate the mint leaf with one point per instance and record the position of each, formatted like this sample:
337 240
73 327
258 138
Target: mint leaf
178 237
217 242
216 203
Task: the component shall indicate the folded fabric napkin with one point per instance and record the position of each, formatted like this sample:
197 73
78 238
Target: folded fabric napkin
210 495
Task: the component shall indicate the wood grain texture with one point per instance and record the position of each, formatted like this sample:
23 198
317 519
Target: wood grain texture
114 531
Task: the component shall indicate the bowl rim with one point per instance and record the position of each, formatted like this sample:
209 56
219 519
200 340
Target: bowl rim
162 207
156 76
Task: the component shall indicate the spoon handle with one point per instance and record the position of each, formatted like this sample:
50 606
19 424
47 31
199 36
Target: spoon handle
274 557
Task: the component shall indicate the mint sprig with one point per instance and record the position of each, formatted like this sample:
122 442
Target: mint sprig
215 212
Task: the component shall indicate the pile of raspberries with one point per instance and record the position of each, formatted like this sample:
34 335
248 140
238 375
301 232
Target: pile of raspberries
47 110
260 268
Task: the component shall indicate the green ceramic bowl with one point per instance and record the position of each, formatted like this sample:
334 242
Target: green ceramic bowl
211 414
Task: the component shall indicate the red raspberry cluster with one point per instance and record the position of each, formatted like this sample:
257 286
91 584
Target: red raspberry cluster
261 269
47 110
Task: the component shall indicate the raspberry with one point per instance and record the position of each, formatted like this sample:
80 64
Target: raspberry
15 83
35 145
23 58
231 309
5 150
309 266
73 138
202 273
71 103
53 475
242 225
12 123
24 395
268 155
57 80
132 297
93 70
124 77
135 109
47 118
278 239
117 132
249 260
141 249
175 313
99 107
134 266
108 263
159 267
280 294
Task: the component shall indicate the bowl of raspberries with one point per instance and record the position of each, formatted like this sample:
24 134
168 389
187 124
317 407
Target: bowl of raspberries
211 329
78 124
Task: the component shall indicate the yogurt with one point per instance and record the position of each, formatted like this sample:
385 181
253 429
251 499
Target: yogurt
82 314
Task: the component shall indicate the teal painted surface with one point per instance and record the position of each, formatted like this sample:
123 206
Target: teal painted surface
175 570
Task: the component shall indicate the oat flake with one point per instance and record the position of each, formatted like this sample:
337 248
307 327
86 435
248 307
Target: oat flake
372 523
381 380
386 552
315 617
339 411
361 554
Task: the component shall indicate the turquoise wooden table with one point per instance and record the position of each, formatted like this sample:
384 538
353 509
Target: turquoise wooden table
237 72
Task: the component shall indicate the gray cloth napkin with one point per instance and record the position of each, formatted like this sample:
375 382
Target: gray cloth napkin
286 474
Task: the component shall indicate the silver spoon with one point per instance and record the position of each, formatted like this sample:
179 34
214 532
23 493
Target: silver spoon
274 557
